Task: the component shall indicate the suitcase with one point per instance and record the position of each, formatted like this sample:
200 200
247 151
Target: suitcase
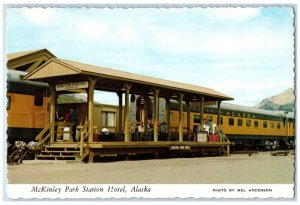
66 135
201 137
214 138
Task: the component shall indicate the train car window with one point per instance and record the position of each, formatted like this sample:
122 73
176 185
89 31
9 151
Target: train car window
248 123
272 124
38 100
240 122
278 125
196 118
8 102
265 124
221 121
256 124
231 121
209 118
108 119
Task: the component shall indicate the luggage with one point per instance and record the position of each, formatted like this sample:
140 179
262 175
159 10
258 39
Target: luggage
201 137
95 137
66 135
214 138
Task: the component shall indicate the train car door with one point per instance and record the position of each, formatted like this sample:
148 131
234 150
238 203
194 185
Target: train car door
39 112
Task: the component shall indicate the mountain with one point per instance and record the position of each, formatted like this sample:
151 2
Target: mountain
71 98
284 101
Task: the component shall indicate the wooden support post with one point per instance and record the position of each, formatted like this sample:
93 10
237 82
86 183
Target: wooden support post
201 111
156 91
92 83
168 117
146 113
52 112
120 121
219 114
228 150
91 157
180 117
126 113
188 120
81 145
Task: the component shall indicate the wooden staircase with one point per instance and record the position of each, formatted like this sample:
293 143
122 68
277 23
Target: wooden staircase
76 151
59 152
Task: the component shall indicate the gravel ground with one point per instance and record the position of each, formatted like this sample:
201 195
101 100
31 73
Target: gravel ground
261 168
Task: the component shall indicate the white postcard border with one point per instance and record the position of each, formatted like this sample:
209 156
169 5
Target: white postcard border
117 191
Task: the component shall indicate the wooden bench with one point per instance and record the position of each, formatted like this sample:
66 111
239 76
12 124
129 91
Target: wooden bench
281 153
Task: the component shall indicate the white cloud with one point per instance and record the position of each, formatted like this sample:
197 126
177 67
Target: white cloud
39 16
254 85
127 34
234 64
209 39
89 30
233 14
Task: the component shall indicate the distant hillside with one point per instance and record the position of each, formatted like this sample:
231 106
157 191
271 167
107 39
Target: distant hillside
71 98
284 101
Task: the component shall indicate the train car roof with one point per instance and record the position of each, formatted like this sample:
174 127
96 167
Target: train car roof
17 77
229 106
290 115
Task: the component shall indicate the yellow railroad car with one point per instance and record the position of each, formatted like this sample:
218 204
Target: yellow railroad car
27 107
28 113
245 126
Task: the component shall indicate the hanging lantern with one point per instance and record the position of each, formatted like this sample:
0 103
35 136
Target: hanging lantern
142 102
132 98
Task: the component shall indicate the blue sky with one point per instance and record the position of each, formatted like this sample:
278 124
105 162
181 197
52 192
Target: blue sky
246 53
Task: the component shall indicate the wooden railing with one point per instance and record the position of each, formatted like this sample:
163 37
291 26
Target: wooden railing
83 134
41 136
60 129
225 139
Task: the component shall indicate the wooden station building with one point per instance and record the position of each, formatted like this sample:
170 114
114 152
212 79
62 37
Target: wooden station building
65 76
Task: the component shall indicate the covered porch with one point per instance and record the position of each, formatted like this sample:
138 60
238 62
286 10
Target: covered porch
65 76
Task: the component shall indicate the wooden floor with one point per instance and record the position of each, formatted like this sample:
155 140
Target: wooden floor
100 145
71 150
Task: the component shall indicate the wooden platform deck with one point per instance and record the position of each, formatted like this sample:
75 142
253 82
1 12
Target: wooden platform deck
154 144
99 145
70 150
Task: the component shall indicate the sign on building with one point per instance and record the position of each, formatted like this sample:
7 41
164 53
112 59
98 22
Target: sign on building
72 86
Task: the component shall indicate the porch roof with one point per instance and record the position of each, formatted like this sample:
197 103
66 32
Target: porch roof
60 68
28 60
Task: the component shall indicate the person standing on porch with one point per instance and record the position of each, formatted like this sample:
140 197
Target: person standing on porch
74 120
57 119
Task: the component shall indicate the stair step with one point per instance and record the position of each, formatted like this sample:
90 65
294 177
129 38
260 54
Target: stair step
58 151
62 150
57 157
64 145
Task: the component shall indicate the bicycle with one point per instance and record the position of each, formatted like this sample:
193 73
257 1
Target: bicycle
16 156
22 152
